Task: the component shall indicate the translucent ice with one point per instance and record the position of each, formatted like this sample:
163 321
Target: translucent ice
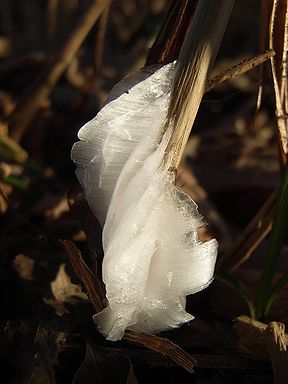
153 257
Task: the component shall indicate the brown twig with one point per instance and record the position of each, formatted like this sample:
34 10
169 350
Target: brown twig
239 69
164 346
89 281
36 96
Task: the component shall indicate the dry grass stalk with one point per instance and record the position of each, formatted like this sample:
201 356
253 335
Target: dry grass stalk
33 100
266 6
89 281
195 61
278 40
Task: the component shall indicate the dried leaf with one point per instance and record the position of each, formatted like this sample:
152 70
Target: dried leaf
63 289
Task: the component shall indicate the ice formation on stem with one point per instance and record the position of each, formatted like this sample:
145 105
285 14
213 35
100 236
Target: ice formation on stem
153 257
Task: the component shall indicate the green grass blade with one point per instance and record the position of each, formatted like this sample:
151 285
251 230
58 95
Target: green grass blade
278 234
20 184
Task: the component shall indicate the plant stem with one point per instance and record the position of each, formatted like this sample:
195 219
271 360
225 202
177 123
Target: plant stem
195 61
170 39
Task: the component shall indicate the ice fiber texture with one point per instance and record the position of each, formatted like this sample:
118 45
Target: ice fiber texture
153 257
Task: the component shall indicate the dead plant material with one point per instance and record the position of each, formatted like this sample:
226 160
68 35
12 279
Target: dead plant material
36 96
266 7
193 66
88 279
239 69
164 346
165 50
278 40
170 39
276 344
264 342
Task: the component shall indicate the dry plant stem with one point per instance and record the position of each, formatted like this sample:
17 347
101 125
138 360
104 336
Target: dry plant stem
278 40
89 281
165 347
251 237
166 49
239 69
93 288
169 41
33 100
195 61
266 6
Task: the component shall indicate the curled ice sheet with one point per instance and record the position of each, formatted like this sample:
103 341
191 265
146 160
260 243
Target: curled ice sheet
153 256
